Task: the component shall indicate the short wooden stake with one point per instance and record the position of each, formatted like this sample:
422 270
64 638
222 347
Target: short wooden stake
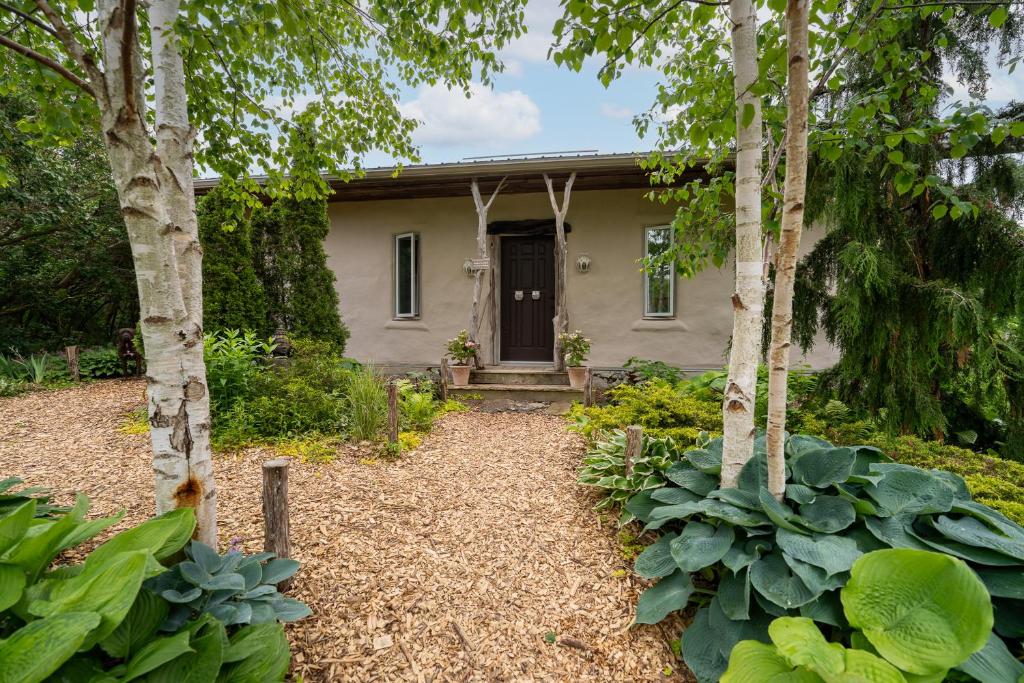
634 442
276 538
71 353
588 389
392 412
443 371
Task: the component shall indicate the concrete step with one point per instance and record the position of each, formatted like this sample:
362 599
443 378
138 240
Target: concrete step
519 376
551 393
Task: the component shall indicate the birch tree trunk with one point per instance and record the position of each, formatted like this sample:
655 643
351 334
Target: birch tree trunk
482 254
561 319
748 298
789 241
154 185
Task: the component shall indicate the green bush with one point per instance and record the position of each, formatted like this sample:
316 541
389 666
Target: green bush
605 468
100 363
367 400
99 620
11 387
657 406
758 558
233 362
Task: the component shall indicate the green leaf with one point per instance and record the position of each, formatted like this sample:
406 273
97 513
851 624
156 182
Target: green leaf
800 642
15 523
36 650
656 559
906 490
673 495
204 665
827 514
754 662
142 621
205 556
779 513
748 114
822 468
640 505
925 612
734 594
259 652
1003 583
156 653
773 578
33 553
993 663
970 531
12 584
708 460
161 536
683 474
834 554
668 595
701 545
998 16
939 210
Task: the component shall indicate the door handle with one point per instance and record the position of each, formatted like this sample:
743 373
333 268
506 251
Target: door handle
536 295
519 295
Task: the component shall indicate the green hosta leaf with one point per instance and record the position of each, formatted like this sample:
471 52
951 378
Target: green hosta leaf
204 665
639 506
288 609
826 609
744 553
667 513
817 580
894 532
824 467
992 518
142 621
205 556
701 545
108 590
732 514
252 572
773 578
707 460
799 493
15 523
708 640
798 444
683 474
779 513
925 612
156 653
910 491
36 650
656 559
748 500
970 531
1009 615
12 585
225 582
827 514
1003 583
266 654
194 573
161 536
754 475
834 554
734 594
33 553
177 598
993 663
800 642
672 495
754 662
668 595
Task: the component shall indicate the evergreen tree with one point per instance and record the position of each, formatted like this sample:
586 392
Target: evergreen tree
292 265
233 297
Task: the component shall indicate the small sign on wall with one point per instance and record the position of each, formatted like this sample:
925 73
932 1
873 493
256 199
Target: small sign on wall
480 264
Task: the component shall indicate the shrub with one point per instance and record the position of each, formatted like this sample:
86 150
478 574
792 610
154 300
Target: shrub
98 620
605 468
322 361
11 387
367 404
101 363
461 348
575 346
657 406
418 408
409 441
764 558
233 361
640 370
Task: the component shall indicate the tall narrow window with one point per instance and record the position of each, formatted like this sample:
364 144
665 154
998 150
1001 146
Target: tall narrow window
659 276
407 268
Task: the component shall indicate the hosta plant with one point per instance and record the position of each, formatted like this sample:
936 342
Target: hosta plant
233 588
605 468
12 498
755 558
99 363
915 614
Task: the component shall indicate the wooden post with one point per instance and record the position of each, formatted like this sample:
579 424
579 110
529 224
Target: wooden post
392 412
561 319
634 443
443 371
276 537
588 389
71 353
481 255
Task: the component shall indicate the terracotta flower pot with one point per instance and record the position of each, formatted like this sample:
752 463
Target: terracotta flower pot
577 376
460 375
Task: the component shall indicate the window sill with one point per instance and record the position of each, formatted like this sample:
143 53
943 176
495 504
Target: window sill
658 325
406 324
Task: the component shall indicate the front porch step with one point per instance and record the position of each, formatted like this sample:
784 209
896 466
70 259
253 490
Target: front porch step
548 393
519 376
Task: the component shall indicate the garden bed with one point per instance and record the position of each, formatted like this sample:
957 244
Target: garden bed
475 557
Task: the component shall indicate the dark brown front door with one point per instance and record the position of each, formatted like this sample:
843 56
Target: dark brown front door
527 298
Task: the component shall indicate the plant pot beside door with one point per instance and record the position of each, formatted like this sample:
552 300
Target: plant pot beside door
462 351
576 347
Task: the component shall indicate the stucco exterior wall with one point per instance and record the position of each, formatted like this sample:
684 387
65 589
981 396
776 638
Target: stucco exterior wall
606 303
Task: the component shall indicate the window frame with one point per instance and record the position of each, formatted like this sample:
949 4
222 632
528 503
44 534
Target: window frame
671 313
414 284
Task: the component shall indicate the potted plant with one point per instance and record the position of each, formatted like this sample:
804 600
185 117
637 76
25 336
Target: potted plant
462 350
575 347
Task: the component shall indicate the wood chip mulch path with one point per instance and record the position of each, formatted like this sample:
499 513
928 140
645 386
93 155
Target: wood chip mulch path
474 558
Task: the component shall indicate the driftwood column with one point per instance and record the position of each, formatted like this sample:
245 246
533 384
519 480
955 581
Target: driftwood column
482 258
561 320
276 534
71 352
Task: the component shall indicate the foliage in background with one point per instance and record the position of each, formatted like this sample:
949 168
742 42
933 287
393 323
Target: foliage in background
99 620
575 346
914 613
291 265
367 401
461 348
99 363
767 558
233 297
233 359
66 273
10 499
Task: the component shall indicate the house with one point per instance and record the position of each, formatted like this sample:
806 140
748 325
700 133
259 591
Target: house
405 252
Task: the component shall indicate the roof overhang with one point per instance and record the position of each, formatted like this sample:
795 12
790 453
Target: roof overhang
523 175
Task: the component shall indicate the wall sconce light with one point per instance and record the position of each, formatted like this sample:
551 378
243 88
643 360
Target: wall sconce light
583 263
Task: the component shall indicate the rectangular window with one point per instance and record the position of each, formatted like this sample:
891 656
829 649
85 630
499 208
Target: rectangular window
659 277
407 271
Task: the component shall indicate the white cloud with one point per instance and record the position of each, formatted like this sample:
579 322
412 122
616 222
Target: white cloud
541 16
616 111
449 118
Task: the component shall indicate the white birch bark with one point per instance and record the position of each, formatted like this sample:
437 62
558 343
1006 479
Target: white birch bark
154 185
561 319
789 241
481 253
748 298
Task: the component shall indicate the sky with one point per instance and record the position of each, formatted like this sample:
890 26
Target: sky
535 107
